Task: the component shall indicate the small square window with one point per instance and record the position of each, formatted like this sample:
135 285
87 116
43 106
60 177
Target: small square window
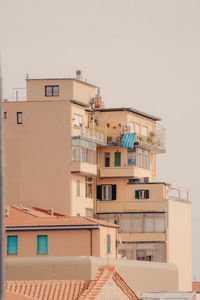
12 244
51 90
42 244
19 118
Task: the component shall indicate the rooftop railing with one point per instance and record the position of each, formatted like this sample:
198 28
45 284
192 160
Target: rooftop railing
178 193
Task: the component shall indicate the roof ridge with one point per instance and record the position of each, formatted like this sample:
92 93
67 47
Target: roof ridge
124 286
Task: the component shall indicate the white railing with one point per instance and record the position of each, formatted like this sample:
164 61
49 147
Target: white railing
178 193
96 136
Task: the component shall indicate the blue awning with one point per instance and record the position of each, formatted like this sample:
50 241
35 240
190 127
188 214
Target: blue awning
128 140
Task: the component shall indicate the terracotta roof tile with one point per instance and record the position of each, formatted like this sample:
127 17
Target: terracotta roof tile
196 286
20 217
68 289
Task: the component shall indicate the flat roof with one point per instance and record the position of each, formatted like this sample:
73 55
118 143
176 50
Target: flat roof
129 109
80 81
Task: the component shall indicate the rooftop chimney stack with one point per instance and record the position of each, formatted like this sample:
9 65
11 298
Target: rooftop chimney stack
78 75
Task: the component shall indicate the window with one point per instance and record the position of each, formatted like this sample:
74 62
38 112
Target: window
154 222
117 159
5 114
131 223
107 192
83 151
108 243
111 218
78 188
19 118
143 251
12 244
42 244
144 131
51 90
142 158
78 120
89 212
150 252
88 187
131 157
142 194
137 128
107 159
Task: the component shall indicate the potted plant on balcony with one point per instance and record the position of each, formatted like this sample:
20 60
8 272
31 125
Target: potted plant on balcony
109 138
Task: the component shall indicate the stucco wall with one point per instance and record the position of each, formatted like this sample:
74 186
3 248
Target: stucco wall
68 90
66 242
140 276
180 241
38 154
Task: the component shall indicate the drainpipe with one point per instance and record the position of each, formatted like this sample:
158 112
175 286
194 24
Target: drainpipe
90 242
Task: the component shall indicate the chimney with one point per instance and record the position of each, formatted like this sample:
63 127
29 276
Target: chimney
78 75
98 100
51 211
6 212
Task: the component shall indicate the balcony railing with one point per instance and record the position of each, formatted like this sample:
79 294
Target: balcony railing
155 139
178 193
94 135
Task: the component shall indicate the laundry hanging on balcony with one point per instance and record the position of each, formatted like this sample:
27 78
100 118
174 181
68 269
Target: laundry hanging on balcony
128 140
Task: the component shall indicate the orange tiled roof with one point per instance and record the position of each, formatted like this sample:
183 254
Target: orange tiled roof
196 286
69 289
23 217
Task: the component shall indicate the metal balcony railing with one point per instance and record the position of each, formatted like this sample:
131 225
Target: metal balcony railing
154 139
95 135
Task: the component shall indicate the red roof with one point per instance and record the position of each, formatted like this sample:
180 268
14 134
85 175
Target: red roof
69 289
196 286
25 217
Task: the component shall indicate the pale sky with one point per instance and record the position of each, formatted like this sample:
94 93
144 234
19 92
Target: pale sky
144 54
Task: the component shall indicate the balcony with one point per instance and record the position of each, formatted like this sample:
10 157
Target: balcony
95 136
154 141
125 171
84 168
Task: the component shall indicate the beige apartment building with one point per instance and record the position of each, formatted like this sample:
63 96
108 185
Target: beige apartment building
65 150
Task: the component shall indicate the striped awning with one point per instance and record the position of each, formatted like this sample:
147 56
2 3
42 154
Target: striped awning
128 140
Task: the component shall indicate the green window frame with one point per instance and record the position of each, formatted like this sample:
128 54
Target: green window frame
42 244
117 159
108 243
12 244
141 194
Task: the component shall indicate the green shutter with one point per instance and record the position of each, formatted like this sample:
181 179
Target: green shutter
147 194
99 192
114 192
108 243
137 196
117 159
12 245
42 244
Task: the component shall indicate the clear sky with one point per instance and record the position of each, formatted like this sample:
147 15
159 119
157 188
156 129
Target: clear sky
144 54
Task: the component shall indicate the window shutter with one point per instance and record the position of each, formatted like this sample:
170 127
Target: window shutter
99 192
147 194
108 243
137 195
117 159
114 192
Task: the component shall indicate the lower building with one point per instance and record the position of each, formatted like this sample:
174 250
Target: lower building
35 232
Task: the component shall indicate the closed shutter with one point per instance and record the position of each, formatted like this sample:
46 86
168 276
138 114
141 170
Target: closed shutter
137 195
42 244
108 243
114 192
12 245
99 192
117 159
147 194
